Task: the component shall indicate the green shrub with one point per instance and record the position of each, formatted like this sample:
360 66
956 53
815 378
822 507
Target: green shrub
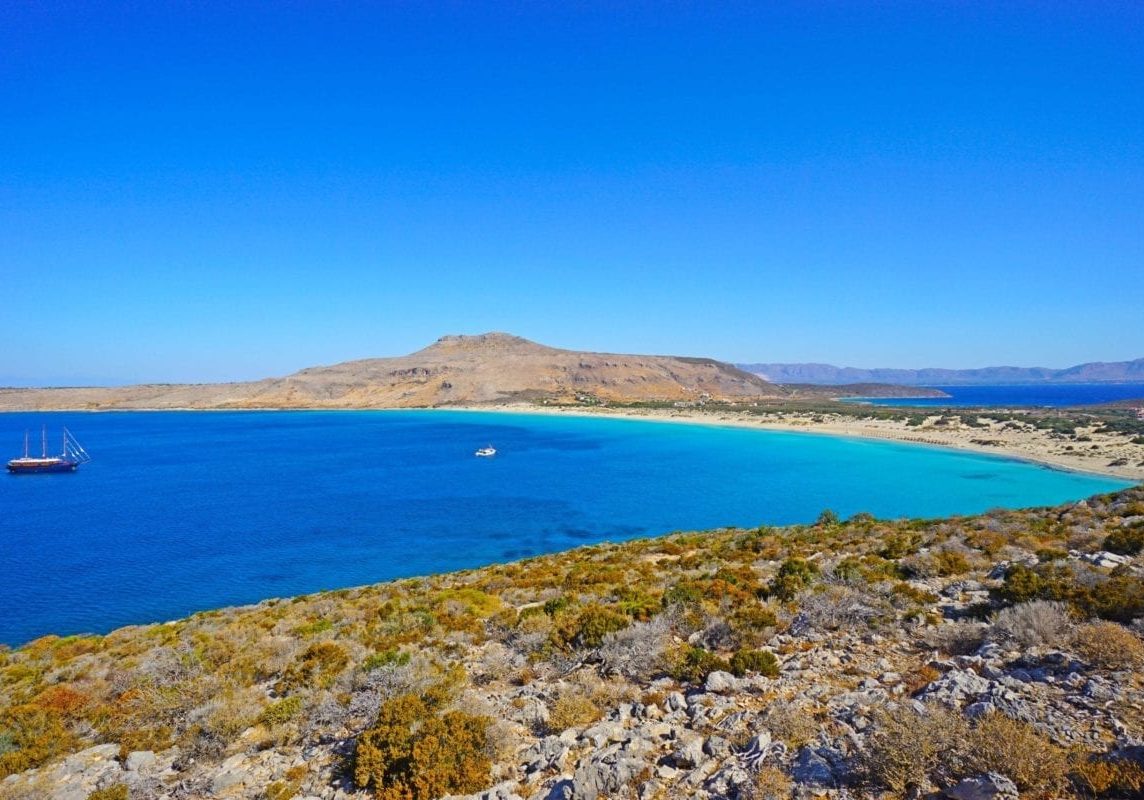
683 594
280 790
280 712
827 518
694 664
760 661
414 753
793 576
556 605
1119 597
393 656
314 628
637 604
116 792
587 627
1125 541
950 562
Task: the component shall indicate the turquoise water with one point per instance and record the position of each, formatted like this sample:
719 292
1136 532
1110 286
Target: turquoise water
184 511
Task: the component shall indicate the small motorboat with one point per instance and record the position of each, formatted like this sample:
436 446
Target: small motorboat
486 452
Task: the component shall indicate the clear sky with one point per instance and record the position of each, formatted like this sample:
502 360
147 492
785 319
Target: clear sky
205 191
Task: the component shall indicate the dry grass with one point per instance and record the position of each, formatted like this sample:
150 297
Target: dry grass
571 710
770 783
913 752
1109 645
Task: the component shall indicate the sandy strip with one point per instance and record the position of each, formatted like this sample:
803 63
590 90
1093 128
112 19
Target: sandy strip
1038 446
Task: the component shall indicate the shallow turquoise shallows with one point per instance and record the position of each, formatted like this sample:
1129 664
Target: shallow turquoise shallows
185 511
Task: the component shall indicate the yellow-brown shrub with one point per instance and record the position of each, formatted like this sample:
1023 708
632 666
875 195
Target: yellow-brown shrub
1109 645
317 667
571 710
412 753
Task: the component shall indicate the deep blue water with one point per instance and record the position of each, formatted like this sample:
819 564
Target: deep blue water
1054 395
184 511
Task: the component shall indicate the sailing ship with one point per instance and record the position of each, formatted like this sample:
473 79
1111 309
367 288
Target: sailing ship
71 456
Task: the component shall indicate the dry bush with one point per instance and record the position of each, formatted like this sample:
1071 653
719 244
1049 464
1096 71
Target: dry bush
211 728
318 666
1033 624
637 652
30 736
717 634
1021 752
769 783
1109 645
793 723
911 751
571 710
938 563
1099 777
831 607
920 678
955 638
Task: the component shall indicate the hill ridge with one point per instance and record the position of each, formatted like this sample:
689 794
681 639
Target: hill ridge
480 369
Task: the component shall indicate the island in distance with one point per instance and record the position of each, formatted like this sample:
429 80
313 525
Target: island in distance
828 374
484 369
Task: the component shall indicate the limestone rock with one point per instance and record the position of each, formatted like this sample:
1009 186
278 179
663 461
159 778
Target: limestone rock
719 682
990 786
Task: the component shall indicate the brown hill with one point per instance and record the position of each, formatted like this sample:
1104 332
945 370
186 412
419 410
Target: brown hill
455 370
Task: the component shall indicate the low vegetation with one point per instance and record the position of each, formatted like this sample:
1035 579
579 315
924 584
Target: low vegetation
416 689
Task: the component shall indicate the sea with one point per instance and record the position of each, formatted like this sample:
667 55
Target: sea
1054 395
185 511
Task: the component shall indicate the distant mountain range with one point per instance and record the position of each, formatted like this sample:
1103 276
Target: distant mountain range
827 374
455 370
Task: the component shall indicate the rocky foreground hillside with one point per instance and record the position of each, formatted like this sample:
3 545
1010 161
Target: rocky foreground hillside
455 370
994 656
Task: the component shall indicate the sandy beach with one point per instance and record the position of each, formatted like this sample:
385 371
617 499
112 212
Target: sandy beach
1027 443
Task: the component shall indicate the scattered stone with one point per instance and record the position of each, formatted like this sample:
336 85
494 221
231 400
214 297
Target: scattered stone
719 682
990 786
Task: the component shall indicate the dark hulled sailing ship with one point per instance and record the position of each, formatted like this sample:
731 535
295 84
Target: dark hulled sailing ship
71 456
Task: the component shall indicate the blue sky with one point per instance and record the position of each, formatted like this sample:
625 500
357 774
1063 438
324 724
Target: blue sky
226 191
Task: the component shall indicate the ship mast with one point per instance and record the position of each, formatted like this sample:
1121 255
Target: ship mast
44 440
26 443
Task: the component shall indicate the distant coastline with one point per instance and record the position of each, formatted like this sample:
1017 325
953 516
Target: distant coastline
1021 446
1031 446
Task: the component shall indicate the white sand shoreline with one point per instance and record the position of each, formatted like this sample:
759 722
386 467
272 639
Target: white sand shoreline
1032 447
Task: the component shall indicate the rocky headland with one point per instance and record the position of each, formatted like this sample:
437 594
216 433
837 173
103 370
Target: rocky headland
994 656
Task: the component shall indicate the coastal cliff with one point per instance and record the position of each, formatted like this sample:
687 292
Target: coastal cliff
455 370
988 656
